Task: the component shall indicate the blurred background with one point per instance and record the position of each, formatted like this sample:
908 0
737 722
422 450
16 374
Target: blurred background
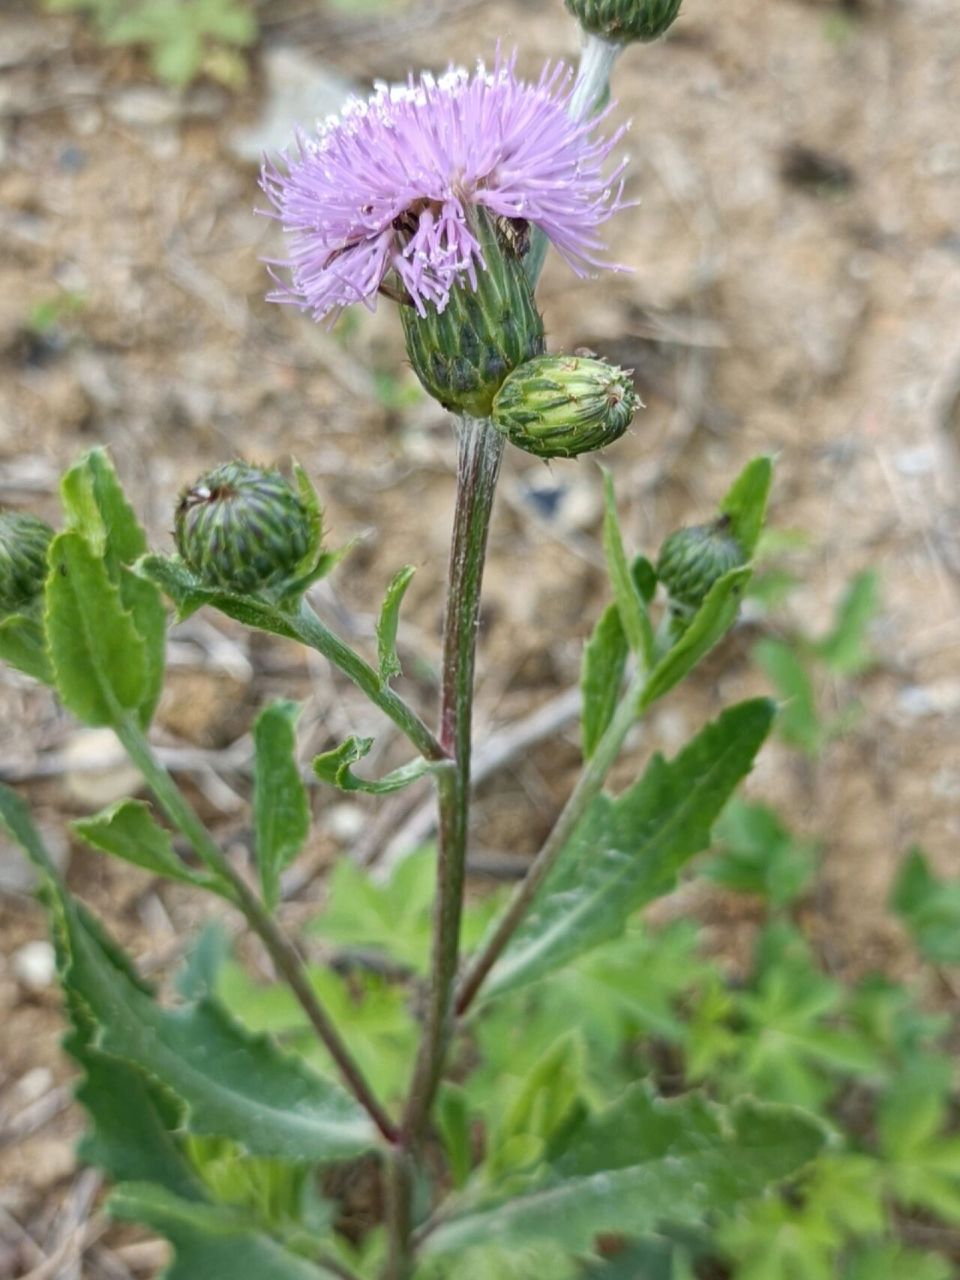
794 289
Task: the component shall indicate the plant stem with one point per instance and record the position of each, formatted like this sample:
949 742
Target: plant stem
481 449
312 632
281 949
399 1215
588 787
590 92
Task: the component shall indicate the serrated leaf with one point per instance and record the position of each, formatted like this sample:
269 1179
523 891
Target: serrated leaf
281 810
628 851
746 503
387 625
24 646
640 1162
132 1119
334 767
98 655
129 831
633 613
601 677
15 817
133 1123
97 508
210 1241
707 628
232 1084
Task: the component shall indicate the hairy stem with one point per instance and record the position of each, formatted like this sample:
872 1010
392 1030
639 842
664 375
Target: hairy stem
280 948
481 449
588 787
312 632
399 1182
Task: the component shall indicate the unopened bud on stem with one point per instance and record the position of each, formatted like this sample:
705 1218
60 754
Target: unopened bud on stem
624 21
562 406
692 560
245 529
24 540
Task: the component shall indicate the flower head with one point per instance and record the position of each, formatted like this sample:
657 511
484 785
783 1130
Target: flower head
380 198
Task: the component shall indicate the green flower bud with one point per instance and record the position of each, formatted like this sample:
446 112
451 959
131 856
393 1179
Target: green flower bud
463 353
245 529
23 559
692 560
562 406
625 20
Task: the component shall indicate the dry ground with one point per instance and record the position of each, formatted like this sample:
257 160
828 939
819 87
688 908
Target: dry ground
795 288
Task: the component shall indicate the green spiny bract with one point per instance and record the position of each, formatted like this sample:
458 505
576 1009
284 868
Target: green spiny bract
463 353
562 406
24 540
692 560
245 529
625 20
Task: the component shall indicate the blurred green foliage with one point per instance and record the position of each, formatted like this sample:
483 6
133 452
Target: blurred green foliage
184 39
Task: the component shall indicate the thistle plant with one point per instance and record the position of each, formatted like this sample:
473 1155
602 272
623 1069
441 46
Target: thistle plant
440 196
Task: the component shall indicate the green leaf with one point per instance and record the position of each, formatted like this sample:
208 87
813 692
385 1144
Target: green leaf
231 1084
382 1031
15 817
633 613
746 503
133 1123
930 908
129 831
209 1241
98 655
844 649
543 1102
133 1120
453 1126
628 851
601 677
707 628
387 625
894 1262
640 1162
97 508
798 722
175 580
281 810
334 767
24 646
759 855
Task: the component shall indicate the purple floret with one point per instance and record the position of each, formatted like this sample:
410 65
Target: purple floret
379 198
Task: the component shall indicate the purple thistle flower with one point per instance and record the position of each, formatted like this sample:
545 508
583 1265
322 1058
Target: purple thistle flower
385 188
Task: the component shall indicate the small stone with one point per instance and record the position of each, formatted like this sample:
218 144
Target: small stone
144 107
98 773
345 822
35 965
299 90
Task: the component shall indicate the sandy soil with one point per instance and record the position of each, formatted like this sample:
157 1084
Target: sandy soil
794 288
